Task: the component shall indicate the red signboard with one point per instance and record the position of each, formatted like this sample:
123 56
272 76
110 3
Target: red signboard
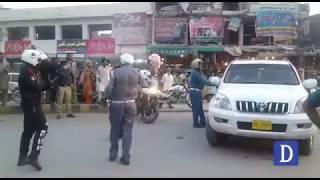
100 47
15 48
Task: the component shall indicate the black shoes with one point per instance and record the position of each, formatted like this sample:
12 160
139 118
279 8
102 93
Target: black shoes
34 163
112 158
22 161
71 116
125 161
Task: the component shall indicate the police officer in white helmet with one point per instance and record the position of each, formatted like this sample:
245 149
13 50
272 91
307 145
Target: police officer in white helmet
122 90
35 123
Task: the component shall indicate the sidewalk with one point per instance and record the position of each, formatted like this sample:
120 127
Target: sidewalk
94 108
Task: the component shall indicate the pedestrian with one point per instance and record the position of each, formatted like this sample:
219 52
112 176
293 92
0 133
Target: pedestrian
167 82
4 79
103 76
35 122
122 90
64 82
74 69
197 82
88 80
53 76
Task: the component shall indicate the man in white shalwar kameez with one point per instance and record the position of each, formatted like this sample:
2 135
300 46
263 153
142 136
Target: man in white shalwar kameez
103 77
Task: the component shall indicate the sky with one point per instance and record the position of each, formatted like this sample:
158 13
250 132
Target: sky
314 6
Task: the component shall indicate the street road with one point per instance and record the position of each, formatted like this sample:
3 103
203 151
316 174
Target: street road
169 148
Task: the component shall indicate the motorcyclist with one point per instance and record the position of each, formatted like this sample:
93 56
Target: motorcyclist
122 90
34 119
197 82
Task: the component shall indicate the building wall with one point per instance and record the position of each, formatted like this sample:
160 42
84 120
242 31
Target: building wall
50 46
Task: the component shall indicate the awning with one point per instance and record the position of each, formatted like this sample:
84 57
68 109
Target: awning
234 51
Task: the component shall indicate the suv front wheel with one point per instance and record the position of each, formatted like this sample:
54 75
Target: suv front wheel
306 146
214 138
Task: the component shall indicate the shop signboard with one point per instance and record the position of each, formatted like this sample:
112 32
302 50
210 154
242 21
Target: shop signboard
75 46
234 24
170 30
276 23
207 29
130 28
15 48
255 7
100 47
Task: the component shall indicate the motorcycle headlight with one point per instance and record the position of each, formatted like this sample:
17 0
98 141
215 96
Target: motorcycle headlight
298 109
221 102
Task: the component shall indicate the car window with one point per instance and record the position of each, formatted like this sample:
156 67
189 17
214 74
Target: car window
261 74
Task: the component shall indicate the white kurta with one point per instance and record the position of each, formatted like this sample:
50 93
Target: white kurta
104 74
167 80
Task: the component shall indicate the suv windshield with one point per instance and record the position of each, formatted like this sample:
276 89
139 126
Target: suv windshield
261 74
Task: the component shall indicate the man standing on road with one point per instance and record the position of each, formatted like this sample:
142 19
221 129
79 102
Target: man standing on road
167 81
4 79
103 76
73 67
197 82
122 90
64 82
34 119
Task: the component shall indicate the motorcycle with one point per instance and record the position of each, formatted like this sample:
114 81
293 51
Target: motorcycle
148 104
14 95
179 93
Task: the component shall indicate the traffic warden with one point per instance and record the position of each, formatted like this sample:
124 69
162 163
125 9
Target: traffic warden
197 82
122 90
34 118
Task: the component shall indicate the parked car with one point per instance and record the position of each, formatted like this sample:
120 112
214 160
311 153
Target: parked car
261 99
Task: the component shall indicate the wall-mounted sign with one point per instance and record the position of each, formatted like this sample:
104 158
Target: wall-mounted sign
276 23
75 46
15 48
130 28
170 30
234 24
100 47
207 29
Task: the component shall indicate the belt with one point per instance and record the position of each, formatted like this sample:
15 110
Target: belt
120 102
195 89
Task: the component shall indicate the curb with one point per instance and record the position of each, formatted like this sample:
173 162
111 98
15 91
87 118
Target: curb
80 108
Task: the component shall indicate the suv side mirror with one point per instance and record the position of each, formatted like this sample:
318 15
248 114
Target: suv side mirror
310 83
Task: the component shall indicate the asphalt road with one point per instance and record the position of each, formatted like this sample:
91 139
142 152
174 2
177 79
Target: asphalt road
169 148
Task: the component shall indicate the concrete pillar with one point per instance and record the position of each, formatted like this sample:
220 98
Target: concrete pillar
85 33
32 35
241 35
58 32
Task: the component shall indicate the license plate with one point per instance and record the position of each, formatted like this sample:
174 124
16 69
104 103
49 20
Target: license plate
262 125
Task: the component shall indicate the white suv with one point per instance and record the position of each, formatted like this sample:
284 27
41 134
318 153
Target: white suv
260 99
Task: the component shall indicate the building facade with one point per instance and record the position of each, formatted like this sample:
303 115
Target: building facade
86 31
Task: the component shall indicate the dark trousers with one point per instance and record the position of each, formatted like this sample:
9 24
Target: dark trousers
122 117
4 96
197 108
34 124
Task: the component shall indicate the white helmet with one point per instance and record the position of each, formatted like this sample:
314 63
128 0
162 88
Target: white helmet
196 63
31 56
43 56
126 58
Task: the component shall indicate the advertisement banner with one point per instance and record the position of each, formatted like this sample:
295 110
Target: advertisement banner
206 29
170 30
100 47
234 24
71 46
276 23
130 28
15 48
